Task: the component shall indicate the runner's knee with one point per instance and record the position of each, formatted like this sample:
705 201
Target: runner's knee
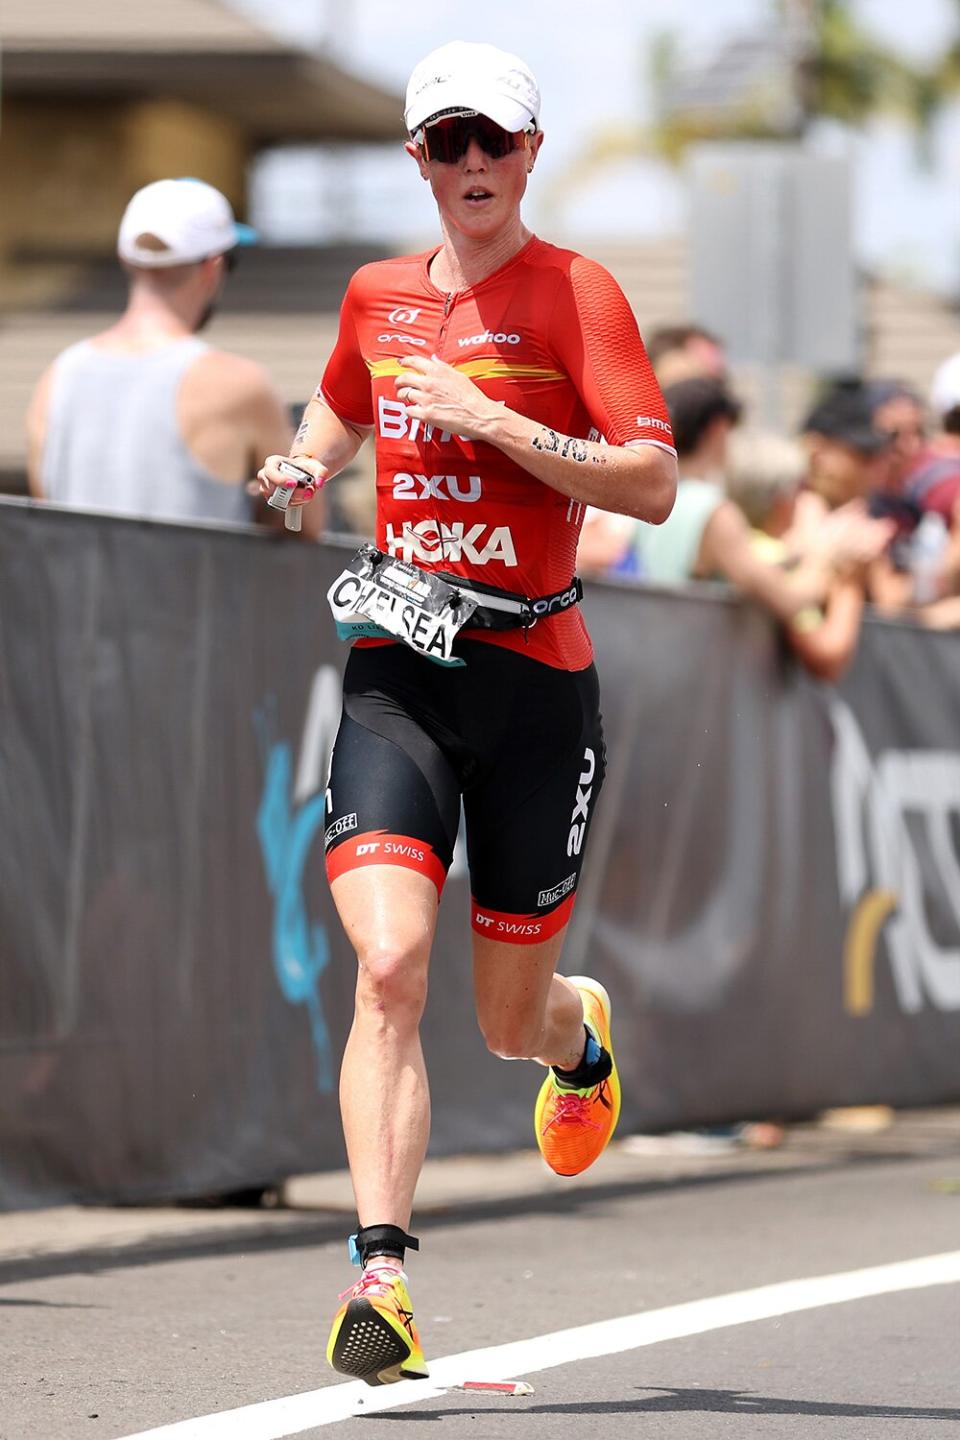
392 981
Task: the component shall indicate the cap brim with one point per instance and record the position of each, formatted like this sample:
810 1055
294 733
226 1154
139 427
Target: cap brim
503 111
246 235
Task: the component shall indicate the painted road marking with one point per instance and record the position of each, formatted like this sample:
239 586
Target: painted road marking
291 1415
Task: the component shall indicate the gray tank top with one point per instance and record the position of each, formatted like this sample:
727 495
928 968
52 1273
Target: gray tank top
113 440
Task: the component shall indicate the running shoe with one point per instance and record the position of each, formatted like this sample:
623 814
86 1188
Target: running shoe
574 1126
373 1337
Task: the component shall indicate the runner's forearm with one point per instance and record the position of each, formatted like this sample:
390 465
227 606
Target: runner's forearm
323 436
640 481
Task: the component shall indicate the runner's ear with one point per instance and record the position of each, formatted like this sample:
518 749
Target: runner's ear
416 154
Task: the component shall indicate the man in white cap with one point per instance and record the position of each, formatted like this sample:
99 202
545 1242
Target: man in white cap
146 419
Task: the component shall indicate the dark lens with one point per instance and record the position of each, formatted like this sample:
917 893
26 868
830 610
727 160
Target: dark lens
448 139
492 139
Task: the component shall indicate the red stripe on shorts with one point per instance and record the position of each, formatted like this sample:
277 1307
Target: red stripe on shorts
520 929
380 847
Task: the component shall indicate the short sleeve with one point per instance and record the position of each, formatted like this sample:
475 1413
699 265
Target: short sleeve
594 335
346 380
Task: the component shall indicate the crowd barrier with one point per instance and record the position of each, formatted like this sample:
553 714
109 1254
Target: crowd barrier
772 892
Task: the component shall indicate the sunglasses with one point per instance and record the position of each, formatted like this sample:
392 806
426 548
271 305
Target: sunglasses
448 138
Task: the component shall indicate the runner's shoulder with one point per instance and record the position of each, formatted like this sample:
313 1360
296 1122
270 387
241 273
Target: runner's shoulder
588 285
384 277
568 264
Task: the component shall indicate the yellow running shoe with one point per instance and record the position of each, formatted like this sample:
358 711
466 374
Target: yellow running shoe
373 1336
573 1127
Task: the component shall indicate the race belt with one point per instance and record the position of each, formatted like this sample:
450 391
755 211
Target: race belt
500 610
378 595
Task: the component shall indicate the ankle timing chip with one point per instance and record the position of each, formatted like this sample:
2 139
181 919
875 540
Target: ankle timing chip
370 1240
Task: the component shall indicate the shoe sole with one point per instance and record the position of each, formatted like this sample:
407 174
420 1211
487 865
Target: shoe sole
594 988
368 1348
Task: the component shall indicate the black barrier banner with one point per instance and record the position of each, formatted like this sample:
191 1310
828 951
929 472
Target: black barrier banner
772 893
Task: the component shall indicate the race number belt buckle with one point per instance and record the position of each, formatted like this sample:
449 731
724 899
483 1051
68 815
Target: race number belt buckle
377 594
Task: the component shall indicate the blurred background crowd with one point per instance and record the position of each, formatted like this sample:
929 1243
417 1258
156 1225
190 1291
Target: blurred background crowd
774 185
860 505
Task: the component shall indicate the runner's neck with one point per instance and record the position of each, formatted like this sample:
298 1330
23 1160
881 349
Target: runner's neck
462 262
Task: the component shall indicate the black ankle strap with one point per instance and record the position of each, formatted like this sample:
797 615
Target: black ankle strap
370 1240
586 1075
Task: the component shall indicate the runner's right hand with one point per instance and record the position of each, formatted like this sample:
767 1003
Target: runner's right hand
271 478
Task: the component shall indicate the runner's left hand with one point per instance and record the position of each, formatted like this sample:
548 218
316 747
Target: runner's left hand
439 394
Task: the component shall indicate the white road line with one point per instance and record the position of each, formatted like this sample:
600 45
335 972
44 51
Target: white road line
291 1415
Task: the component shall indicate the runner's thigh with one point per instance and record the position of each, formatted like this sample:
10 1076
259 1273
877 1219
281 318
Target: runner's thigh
529 816
393 797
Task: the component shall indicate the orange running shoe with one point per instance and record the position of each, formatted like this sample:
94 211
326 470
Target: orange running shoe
573 1127
374 1337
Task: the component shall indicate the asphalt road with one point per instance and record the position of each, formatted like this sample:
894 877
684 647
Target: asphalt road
111 1344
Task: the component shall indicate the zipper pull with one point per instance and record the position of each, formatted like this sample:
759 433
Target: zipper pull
447 302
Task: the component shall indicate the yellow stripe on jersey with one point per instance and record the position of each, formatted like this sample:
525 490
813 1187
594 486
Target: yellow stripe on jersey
381 368
503 369
475 369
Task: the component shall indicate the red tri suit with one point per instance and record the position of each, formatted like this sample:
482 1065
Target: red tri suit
550 335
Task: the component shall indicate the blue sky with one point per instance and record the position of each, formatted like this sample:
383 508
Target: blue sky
593 76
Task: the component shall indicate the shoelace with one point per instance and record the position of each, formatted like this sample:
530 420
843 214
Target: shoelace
371 1281
376 1282
572 1109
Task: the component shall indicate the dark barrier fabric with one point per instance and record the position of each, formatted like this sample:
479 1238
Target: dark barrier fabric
772 893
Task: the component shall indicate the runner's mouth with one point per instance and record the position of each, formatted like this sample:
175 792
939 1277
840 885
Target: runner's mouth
477 195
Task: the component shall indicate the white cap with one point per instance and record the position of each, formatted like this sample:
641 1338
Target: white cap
945 390
465 76
191 219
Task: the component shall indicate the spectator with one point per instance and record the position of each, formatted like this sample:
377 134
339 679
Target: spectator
934 486
934 483
898 412
850 459
681 352
849 454
765 476
146 418
708 537
703 413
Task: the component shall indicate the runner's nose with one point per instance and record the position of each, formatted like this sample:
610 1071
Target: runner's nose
475 157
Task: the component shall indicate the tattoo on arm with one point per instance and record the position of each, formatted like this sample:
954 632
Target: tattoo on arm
548 441
568 447
574 450
302 432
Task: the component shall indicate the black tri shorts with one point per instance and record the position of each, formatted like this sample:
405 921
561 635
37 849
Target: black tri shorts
519 742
